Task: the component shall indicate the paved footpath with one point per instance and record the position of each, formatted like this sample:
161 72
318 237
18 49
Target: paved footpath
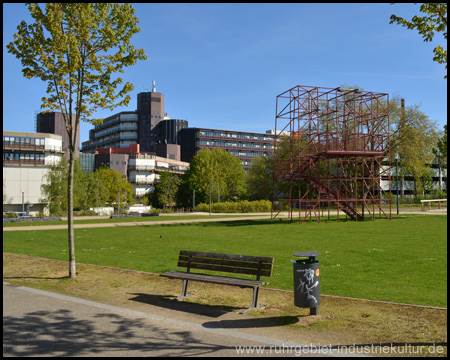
40 323
167 221
133 223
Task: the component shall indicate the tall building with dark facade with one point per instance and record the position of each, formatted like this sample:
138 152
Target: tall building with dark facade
150 109
53 123
148 126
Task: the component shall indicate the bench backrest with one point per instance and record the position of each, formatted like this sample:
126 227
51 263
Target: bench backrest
239 264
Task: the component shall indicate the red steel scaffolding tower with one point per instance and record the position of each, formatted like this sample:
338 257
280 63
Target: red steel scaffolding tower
331 147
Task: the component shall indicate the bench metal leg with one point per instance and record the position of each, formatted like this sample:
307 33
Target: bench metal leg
183 291
255 301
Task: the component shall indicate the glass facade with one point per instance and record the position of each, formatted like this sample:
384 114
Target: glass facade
87 162
23 142
25 150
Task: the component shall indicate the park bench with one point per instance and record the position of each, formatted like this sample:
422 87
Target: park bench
237 264
439 201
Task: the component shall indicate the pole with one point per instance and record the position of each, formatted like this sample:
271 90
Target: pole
193 201
396 170
23 204
98 209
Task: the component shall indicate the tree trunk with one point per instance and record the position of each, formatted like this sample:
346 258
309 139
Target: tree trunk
72 267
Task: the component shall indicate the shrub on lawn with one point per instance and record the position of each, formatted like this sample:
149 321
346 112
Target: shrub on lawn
236 206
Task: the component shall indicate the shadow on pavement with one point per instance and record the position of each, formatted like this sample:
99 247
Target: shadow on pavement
252 323
60 333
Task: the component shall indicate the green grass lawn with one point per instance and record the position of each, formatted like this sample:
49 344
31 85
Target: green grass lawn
400 260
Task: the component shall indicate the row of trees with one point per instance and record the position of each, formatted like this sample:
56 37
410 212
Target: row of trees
99 188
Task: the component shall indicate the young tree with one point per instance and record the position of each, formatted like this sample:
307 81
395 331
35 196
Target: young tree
81 193
260 178
441 149
435 19
231 181
76 48
217 174
54 188
114 185
167 188
413 137
186 190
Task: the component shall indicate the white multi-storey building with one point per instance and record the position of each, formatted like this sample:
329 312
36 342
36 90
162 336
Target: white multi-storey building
144 171
26 160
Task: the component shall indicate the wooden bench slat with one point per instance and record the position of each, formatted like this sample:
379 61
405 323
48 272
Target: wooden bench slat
224 262
227 256
226 269
214 279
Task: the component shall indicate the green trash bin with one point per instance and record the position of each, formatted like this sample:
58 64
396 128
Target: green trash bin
307 281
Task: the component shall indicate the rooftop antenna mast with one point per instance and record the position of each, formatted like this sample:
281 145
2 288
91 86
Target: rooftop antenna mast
154 87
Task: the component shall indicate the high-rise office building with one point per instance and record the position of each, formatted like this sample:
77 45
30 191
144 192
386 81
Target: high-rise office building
148 126
53 123
244 145
150 109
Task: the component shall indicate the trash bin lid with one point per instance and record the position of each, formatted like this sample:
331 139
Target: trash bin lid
312 254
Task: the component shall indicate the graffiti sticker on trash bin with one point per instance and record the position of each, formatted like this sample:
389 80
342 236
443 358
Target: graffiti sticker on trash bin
308 284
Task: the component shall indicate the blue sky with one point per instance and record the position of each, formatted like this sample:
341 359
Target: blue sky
222 65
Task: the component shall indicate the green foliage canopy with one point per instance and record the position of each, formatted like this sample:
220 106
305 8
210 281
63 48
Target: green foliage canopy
260 178
216 172
167 188
71 47
434 20
413 136
441 149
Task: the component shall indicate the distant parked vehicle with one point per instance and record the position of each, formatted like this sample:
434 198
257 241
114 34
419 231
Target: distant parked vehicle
21 214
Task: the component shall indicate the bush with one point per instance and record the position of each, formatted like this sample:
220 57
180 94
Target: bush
244 206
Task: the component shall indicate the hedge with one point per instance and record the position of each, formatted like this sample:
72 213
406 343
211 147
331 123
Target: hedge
236 207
